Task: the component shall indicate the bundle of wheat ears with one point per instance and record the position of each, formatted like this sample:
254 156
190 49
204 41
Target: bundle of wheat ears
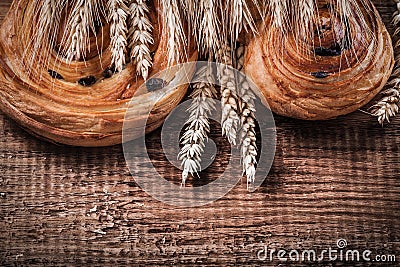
70 67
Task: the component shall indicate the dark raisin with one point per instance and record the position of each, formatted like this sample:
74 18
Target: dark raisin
320 74
108 72
334 50
55 75
319 32
155 84
87 81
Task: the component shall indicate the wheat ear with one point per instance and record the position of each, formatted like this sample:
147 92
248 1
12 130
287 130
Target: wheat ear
279 11
229 98
80 21
241 17
173 27
198 125
140 37
388 106
247 133
117 15
207 26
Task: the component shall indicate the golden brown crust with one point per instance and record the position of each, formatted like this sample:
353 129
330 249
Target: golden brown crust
61 110
304 83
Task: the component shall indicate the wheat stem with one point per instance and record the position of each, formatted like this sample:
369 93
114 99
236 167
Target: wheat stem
198 125
140 37
117 15
388 106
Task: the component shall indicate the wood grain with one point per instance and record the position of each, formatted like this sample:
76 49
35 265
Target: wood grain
330 180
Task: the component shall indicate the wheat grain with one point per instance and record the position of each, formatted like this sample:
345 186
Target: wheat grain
140 37
229 99
80 21
198 125
173 27
117 15
388 106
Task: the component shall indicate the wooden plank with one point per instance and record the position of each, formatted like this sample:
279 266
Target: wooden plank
330 180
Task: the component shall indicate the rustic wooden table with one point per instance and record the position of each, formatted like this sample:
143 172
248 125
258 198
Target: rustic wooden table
330 180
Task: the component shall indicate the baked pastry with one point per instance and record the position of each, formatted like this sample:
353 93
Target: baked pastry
324 70
79 100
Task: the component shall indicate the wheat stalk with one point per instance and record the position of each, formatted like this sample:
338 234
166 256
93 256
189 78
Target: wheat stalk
81 20
172 25
229 98
198 125
388 106
247 133
140 37
117 15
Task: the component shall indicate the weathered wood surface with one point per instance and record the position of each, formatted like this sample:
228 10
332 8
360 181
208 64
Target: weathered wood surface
330 180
